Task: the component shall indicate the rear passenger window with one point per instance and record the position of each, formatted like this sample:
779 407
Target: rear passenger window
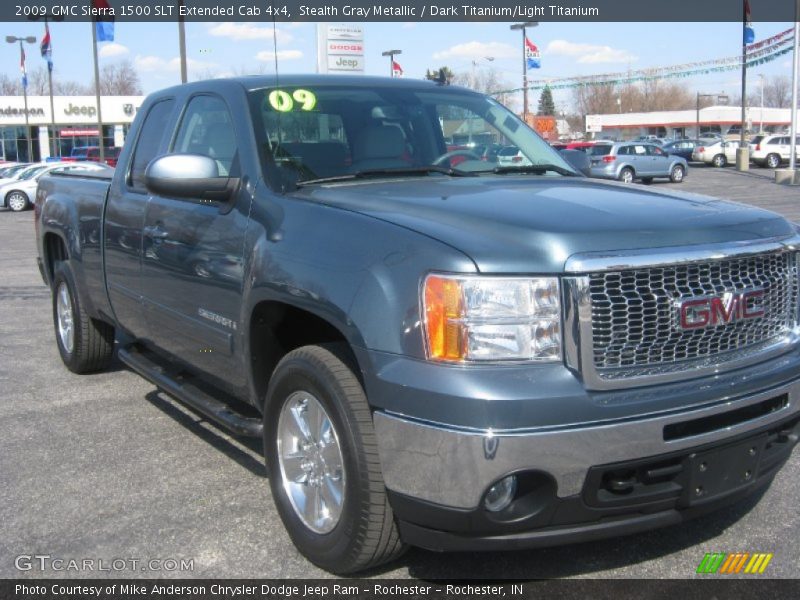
149 141
207 129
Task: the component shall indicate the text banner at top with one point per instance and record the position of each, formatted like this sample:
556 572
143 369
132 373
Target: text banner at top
399 10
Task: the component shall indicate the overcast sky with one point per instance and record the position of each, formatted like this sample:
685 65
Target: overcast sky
567 49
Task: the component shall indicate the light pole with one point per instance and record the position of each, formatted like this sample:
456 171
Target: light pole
474 68
761 125
391 54
721 97
522 27
30 39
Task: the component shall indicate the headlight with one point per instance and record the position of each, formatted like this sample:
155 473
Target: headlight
475 318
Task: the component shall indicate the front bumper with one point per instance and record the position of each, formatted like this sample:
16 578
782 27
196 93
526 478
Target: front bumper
579 483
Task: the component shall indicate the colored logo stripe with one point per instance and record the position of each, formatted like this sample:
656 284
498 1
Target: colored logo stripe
725 563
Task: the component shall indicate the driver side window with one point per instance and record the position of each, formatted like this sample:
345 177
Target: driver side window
207 128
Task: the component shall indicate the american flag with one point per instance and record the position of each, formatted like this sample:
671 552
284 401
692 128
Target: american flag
22 67
104 26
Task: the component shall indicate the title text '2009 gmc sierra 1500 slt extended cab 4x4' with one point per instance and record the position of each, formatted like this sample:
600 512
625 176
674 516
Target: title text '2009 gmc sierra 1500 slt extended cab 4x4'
438 350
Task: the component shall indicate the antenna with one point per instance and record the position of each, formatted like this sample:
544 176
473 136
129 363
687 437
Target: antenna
277 87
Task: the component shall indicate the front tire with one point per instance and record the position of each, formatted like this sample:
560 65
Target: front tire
677 174
17 201
626 175
719 161
85 344
322 458
773 161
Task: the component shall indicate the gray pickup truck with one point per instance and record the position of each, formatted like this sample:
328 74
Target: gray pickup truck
438 350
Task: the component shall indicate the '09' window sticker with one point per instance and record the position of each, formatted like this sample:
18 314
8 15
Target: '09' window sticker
283 101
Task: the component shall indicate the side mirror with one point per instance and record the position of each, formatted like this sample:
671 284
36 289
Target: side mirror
190 176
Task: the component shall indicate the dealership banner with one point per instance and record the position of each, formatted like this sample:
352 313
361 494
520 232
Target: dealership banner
396 10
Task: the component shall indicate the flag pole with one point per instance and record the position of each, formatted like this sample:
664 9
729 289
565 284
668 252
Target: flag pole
742 153
25 95
56 152
182 43
97 92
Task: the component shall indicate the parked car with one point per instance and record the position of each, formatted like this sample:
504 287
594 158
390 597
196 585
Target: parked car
476 359
9 171
772 150
18 194
718 153
511 156
682 148
78 153
579 160
582 146
629 161
110 155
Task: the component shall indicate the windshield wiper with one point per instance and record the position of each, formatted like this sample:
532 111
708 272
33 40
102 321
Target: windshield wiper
532 169
400 171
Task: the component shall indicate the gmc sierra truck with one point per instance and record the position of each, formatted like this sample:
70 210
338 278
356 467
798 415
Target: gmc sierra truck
438 350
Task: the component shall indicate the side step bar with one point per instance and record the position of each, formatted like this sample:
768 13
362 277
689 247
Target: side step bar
186 392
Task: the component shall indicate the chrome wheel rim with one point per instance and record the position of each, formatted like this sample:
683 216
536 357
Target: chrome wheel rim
772 163
627 177
719 161
16 202
64 314
311 463
677 174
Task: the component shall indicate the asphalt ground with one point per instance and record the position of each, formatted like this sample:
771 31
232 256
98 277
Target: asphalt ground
106 467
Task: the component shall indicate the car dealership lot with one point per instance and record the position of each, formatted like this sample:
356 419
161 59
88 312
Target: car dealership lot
104 467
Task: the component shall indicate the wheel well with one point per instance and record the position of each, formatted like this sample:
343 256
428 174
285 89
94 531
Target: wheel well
276 329
54 250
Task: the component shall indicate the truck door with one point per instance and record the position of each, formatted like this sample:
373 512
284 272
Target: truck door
124 219
192 262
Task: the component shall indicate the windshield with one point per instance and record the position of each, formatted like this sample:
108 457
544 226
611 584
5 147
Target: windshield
342 132
600 149
30 172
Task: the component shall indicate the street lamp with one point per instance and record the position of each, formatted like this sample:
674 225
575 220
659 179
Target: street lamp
721 97
390 54
522 27
30 39
761 125
475 63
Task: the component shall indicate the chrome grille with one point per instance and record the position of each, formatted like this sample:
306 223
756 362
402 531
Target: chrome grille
634 311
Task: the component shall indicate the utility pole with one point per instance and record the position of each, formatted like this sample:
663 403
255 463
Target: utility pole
743 151
522 27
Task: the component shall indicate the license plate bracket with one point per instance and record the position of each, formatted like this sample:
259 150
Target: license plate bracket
722 470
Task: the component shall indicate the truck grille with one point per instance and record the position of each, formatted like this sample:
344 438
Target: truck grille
634 315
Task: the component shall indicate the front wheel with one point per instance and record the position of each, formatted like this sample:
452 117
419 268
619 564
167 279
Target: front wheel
676 175
17 201
626 175
322 458
719 160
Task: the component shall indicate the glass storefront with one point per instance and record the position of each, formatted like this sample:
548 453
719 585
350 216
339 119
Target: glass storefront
14 144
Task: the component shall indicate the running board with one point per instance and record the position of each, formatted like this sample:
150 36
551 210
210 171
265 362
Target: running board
211 407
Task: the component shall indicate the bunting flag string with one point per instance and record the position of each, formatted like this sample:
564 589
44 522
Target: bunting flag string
759 53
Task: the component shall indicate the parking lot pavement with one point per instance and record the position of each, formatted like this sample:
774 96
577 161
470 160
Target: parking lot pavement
105 467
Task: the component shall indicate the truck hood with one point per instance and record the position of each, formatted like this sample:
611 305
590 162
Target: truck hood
530 223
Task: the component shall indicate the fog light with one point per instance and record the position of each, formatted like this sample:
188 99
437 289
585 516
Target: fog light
501 494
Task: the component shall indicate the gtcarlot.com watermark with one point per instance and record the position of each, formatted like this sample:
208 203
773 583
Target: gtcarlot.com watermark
46 562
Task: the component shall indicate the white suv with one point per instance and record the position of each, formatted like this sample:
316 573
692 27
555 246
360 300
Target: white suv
772 151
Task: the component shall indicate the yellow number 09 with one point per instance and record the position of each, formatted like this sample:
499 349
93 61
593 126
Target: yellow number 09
283 102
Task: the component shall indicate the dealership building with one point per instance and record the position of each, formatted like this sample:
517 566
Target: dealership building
685 123
75 124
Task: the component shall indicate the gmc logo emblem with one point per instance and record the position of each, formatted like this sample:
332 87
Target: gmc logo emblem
712 311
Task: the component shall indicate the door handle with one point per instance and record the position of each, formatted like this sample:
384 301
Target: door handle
155 232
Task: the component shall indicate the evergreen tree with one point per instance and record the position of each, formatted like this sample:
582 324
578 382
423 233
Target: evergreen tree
546 104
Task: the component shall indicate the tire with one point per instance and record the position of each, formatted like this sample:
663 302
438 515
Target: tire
773 161
677 174
647 180
361 532
626 175
17 201
85 344
719 161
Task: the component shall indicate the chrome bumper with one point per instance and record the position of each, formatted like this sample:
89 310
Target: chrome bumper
453 467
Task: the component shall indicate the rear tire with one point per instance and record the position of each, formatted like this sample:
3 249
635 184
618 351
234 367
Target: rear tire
773 161
626 175
85 344
363 533
719 161
677 174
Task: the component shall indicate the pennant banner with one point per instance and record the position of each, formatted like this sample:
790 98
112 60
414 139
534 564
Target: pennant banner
533 58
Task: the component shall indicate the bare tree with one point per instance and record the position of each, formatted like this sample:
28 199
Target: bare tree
119 79
37 82
778 92
650 95
485 80
9 86
69 88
